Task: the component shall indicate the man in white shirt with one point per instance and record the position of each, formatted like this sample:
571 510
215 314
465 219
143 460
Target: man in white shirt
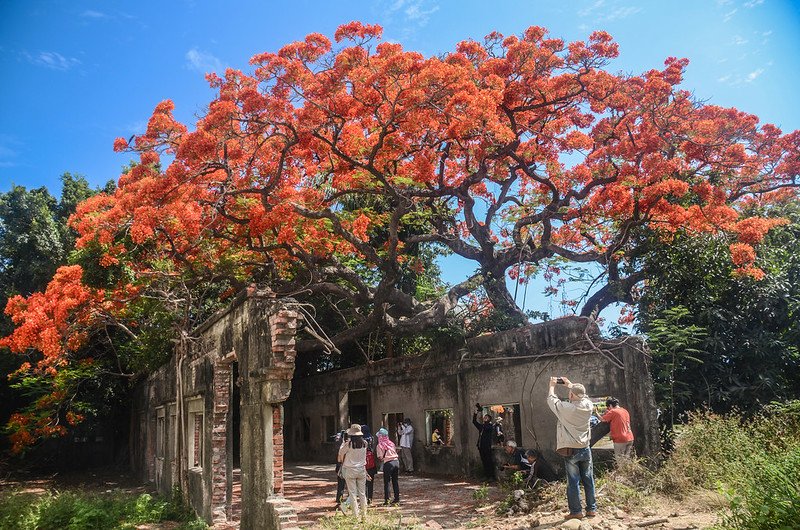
405 433
572 442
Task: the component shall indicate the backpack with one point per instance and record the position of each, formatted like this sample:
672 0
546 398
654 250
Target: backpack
370 459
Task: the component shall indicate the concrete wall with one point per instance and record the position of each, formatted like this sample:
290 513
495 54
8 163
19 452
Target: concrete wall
502 368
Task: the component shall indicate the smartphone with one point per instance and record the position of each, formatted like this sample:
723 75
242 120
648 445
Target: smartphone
560 381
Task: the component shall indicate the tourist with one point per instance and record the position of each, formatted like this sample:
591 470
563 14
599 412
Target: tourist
387 454
572 442
499 435
340 439
538 467
621 434
405 434
516 459
353 456
436 438
486 433
371 465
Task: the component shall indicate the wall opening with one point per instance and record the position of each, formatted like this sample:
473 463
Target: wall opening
510 418
236 421
391 420
439 422
358 407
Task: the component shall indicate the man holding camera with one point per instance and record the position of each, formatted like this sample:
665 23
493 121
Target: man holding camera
485 438
572 442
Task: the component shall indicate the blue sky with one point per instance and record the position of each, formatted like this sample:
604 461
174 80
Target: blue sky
78 74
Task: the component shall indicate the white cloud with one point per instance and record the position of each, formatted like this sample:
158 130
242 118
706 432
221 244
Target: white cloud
752 76
201 61
52 60
622 12
603 12
586 11
91 13
738 40
753 3
734 79
417 14
408 15
729 15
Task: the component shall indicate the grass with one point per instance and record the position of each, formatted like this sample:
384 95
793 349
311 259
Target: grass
374 521
75 510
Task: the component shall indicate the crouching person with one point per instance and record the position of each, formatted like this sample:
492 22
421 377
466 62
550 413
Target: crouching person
516 460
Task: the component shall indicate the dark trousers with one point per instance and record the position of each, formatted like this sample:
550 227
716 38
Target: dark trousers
390 471
340 484
488 462
371 483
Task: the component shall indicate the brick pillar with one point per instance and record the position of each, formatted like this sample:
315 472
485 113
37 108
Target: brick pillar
283 328
277 448
219 438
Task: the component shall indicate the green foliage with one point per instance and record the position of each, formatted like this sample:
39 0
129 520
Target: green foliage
755 463
82 511
482 493
748 354
34 241
673 344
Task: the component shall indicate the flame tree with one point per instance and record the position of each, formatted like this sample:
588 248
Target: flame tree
324 172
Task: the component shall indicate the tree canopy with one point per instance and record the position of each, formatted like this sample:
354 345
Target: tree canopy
718 339
333 171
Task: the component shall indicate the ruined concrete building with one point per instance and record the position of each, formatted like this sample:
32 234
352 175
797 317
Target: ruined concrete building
242 411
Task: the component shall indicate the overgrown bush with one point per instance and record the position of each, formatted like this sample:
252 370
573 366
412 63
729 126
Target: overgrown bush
82 511
754 462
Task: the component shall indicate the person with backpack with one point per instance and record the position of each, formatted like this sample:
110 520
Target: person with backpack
386 452
371 465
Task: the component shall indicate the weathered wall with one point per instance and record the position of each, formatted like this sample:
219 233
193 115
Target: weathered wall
507 367
258 334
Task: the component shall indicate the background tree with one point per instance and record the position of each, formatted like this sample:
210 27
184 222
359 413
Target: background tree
748 355
34 241
327 173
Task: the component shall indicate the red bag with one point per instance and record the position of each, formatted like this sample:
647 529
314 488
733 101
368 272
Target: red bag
370 459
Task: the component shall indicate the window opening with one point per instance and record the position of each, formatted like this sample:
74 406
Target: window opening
441 422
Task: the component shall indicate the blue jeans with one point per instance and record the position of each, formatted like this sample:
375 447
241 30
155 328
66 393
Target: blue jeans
579 470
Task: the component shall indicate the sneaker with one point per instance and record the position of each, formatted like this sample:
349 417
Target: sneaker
396 503
578 515
590 513
386 502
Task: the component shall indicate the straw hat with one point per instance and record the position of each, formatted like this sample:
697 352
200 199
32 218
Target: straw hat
355 430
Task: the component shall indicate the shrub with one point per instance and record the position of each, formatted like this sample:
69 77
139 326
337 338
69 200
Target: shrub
81 511
755 463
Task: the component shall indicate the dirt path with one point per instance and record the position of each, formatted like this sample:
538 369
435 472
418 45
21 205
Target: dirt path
312 490
439 503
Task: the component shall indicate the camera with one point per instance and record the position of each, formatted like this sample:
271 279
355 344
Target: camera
560 381
478 407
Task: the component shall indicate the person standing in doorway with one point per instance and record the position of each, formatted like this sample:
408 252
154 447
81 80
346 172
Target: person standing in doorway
572 442
405 433
387 454
353 456
621 434
485 438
